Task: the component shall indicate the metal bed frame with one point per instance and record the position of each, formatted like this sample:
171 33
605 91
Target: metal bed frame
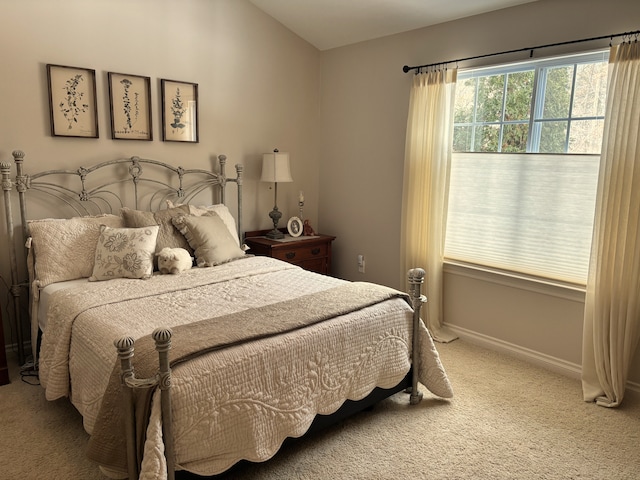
173 183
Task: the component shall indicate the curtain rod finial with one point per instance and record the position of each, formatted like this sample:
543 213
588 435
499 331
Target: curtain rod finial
406 68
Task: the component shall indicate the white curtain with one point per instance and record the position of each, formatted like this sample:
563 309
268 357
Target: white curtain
612 310
426 172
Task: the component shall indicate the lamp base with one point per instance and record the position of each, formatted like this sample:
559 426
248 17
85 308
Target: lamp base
275 234
275 215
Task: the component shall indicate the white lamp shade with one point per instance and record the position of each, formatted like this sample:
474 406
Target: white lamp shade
275 167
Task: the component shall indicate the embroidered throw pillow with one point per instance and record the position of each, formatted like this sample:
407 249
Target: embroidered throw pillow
125 253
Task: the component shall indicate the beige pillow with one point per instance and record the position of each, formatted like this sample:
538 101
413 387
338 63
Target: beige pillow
125 253
210 239
168 235
64 249
221 209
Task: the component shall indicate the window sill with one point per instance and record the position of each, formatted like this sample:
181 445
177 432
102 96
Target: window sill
543 286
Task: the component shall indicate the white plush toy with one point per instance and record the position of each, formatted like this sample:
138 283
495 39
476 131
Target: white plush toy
174 260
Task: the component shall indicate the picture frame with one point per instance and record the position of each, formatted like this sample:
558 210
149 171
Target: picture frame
73 107
294 227
179 111
130 106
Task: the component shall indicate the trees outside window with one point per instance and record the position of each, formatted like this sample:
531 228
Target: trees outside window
542 106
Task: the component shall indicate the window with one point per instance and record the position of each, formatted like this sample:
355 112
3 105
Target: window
524 171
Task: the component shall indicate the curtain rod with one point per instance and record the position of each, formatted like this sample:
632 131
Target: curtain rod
406 68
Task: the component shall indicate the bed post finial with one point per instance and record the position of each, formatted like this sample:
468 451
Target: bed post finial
18 155
162 337
417 275
239 170
21 180
5 169
416 279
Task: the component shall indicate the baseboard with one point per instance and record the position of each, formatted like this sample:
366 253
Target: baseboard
543 360
546 361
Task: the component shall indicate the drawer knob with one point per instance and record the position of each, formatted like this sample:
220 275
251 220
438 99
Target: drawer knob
290 255
315 251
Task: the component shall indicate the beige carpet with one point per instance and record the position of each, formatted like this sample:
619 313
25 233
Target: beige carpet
508 420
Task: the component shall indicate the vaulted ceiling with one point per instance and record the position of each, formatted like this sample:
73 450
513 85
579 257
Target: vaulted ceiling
328 24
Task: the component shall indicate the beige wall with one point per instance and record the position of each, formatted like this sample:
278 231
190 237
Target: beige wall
258 88
364 108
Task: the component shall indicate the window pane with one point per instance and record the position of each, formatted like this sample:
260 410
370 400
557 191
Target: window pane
514 137
487 138
557 92
591 90
553 136
519 95
490 93
465 101
462 139
586 136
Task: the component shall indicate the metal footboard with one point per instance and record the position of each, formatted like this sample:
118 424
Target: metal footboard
162 380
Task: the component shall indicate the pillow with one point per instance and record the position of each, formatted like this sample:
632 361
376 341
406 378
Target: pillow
168 235
221 209
210 239
64 249
124 253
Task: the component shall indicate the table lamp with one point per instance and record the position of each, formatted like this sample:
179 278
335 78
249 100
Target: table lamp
275 168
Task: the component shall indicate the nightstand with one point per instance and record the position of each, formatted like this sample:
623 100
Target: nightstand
311 253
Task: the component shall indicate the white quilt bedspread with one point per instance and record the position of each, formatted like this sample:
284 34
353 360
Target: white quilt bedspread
213 402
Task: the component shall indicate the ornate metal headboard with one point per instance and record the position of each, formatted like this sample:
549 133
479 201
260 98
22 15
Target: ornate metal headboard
139 183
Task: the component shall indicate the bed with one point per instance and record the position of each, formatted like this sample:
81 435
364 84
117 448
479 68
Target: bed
218 364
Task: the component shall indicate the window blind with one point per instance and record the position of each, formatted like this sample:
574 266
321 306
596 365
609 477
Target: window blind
527 213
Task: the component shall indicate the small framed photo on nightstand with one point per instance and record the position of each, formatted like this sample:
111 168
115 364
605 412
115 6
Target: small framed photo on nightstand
294 226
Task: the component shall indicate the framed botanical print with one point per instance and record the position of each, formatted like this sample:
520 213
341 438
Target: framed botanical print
130 105
72 101
179 111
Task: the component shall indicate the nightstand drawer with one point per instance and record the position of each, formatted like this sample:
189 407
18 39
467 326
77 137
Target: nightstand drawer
300 253
315 265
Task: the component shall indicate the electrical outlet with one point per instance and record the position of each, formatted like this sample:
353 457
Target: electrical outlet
361 263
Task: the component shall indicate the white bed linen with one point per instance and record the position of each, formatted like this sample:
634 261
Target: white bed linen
320 367
47 292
